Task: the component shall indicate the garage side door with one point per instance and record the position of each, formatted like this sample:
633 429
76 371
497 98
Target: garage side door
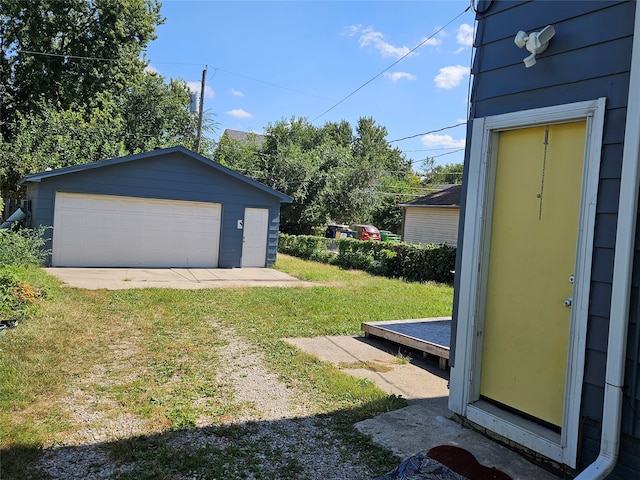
254 240
114 231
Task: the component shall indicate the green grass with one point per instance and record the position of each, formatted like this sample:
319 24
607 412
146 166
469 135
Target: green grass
153 354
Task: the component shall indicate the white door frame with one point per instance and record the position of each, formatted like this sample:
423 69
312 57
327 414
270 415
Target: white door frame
464 398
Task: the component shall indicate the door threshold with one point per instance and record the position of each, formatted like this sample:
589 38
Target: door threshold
517 429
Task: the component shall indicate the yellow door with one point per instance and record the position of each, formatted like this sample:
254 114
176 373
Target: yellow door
532 256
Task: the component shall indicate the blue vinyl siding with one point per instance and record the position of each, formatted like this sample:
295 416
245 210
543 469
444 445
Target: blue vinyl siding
174 176
589 57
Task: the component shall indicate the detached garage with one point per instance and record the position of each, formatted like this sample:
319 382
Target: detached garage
166 208
433 218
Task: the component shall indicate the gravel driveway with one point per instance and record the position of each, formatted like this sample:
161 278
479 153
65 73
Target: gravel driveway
278 428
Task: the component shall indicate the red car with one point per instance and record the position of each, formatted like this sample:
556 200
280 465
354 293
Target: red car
366 232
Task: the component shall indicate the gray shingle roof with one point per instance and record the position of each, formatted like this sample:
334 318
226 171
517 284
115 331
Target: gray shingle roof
449 197
243 137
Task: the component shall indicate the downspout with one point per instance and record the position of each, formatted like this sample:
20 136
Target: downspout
622 271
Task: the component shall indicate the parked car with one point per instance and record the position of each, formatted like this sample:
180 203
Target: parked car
336 230
366 232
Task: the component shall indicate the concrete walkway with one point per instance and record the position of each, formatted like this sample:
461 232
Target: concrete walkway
426 422
181 278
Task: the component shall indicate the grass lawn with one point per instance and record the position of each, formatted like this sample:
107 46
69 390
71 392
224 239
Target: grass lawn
162 346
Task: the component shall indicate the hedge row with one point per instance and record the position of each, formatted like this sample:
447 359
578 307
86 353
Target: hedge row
414 263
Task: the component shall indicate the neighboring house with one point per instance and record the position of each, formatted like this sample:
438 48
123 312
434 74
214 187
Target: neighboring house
165 208
432 218
245 138
546 310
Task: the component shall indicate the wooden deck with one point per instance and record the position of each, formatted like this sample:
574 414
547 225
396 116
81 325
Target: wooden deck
429 335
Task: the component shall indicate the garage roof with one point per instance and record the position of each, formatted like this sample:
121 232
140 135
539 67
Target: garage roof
37 177
449 197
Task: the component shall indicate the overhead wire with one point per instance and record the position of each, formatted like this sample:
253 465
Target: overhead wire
71 57
393 64
80 57
471 6
427 133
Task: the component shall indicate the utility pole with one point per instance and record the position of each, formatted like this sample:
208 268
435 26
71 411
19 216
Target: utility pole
204 76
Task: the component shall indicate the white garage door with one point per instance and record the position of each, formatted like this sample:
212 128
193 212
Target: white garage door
113 231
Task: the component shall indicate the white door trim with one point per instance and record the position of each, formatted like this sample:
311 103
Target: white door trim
464 394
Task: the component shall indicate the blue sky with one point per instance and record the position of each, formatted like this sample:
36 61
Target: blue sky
327 61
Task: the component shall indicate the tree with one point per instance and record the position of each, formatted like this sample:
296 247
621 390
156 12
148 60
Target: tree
239 154
73 86
66 52
56 139
155 114
388 214
388 170
449 174
331 173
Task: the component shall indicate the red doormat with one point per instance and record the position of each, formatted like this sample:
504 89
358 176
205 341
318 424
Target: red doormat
464 463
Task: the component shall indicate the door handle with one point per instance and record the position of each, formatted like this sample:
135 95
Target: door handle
568 301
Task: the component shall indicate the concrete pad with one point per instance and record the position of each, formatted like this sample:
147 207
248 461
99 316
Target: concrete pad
179 278
427 421
413 381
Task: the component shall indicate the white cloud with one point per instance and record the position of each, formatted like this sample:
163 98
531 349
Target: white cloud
432 42
195 88
450 77
376 39
369 37
150 69
397 76
236 93
239 113
444 141
352 30
465 35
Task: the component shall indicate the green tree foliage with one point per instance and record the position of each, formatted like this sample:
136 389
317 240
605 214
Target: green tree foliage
74 89
155 115
332 173
68 51
241 154
55 139
394 191
449 174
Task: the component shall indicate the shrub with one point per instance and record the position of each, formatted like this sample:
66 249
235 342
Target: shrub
23 247
17 298
308 247
373 257
415 263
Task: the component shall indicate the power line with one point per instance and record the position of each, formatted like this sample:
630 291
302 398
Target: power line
79 57
435 149
436 156
271 84
393 64
69 57
429 132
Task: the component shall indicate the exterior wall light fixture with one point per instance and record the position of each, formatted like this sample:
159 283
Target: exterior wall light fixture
535 43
